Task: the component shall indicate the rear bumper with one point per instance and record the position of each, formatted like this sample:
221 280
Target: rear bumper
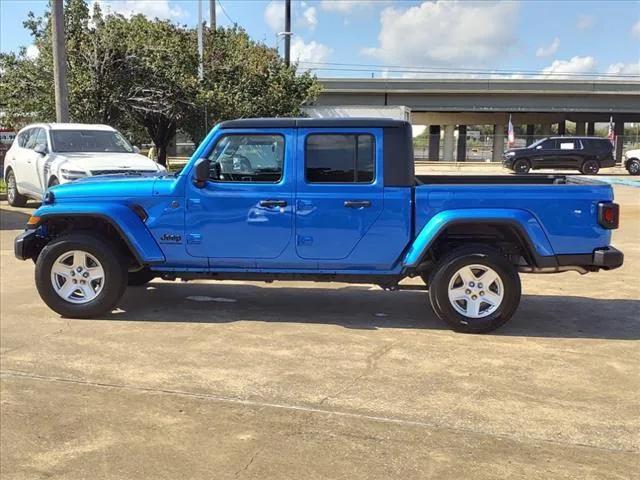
606 258
24 245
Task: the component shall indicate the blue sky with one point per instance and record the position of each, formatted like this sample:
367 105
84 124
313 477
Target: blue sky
385 38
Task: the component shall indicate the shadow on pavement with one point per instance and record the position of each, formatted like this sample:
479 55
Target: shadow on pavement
15 219
364 307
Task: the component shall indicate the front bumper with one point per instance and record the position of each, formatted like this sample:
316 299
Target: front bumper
24 245
507 162
606 258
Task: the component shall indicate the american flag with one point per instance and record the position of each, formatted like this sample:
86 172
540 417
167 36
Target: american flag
611 135
511 136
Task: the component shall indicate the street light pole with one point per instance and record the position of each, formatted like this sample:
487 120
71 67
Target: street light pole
200 43
287 32
59 61
212 14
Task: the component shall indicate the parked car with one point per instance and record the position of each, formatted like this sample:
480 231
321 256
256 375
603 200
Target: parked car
586 154
632 161
319 200
47 154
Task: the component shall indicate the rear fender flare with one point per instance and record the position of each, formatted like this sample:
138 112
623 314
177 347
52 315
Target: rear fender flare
527 226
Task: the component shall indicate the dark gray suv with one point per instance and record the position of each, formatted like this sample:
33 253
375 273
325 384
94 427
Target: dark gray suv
586 154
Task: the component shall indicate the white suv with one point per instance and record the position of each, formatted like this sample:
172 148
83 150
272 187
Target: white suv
46 154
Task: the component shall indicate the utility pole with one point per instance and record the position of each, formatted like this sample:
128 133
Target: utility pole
200 43
212 15
287 32
59 61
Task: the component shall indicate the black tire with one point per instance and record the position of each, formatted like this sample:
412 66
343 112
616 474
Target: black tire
115 275
633 166
141 277
13 196
522 165
590 167
53 182
446 272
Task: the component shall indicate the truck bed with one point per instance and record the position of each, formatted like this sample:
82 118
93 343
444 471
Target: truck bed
500 180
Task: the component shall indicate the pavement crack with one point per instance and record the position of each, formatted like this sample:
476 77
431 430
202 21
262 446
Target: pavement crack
308 409
246 467
371 365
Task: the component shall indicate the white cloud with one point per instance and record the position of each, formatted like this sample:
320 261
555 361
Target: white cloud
274 16
309 52
347 6
446 33
624 69
151 8
32 52
635 30
585 21
310 18
550 50
576 65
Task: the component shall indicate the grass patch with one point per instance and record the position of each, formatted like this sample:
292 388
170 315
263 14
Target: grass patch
3 186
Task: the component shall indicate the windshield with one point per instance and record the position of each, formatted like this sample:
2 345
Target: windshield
89 141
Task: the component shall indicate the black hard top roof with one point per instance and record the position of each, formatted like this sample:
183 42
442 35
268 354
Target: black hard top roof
313 122
571 137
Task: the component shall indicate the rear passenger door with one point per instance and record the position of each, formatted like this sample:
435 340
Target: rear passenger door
569 152
339 192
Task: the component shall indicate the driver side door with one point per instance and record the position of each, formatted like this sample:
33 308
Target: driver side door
244 212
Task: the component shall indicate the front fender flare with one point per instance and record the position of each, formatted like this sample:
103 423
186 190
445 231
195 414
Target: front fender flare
132 230
525 223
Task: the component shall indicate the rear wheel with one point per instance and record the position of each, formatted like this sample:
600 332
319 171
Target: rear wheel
13 196
633 167
590 167
474 289
522 166
80 275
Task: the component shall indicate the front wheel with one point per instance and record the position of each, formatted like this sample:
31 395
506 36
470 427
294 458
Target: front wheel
80 275
590 167
633 167
522 166
475 289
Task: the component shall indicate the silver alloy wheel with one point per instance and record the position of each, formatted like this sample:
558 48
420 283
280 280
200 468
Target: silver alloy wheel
476 291
634 167
77 276
11 187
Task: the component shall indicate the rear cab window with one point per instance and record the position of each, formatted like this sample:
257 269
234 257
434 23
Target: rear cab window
340 158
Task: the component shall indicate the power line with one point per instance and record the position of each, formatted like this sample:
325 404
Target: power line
222 9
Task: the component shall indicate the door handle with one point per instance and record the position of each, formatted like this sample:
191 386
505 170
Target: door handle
273 203
357 203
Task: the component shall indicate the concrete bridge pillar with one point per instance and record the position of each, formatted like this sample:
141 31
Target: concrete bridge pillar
447 153
562 128
461 153
618 130
591 128
498 143
579 128
434 143
531 131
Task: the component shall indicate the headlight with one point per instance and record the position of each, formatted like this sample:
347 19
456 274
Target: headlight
509 154
72 174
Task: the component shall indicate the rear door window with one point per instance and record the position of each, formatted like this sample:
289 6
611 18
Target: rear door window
340 158
567 145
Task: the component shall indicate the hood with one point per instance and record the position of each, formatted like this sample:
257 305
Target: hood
106 161
106 186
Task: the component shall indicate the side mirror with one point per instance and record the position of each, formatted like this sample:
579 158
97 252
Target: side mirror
136 149
41 149
202 171
539 147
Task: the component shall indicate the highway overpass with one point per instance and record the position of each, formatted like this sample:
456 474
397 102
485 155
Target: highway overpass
454 104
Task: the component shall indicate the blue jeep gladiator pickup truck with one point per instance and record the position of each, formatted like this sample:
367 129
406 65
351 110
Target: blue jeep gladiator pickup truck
319 200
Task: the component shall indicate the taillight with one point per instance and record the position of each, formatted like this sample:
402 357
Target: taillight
608 215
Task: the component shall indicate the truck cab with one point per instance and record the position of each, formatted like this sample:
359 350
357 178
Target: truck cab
319 200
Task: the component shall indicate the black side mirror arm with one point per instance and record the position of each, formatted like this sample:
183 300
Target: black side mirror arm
202 171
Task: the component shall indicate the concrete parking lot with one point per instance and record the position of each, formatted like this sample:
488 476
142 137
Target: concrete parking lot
210 380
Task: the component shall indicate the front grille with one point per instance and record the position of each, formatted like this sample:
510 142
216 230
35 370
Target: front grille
121 172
